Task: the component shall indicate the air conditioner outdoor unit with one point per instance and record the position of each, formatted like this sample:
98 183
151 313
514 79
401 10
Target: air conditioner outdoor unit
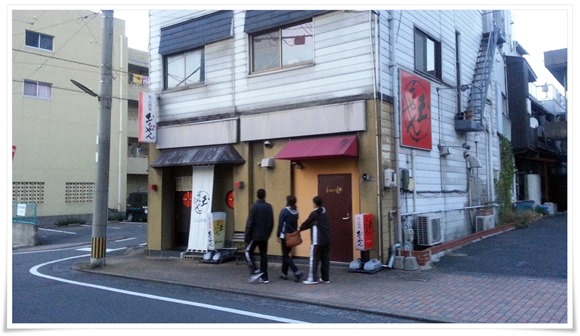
484 223
429 230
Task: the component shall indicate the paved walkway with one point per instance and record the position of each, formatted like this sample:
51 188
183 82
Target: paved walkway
433 295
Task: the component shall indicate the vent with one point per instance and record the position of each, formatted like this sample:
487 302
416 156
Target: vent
429 230
484 223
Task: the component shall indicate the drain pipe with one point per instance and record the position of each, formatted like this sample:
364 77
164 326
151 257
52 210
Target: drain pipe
394 81
394 249
376 55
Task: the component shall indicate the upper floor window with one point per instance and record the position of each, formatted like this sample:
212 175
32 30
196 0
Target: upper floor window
283 47
184 69
38 40
37 89
427 54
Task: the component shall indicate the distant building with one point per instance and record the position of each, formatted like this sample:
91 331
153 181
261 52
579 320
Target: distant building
55 124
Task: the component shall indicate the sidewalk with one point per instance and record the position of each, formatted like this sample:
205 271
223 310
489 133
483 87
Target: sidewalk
427 296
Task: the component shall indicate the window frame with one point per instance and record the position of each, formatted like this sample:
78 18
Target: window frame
37 84
184 55
421 64
39 43
280 47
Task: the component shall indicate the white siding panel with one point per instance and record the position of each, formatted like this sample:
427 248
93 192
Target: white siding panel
336 118
201 134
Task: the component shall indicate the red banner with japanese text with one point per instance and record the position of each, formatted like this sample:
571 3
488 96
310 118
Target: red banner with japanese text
415 105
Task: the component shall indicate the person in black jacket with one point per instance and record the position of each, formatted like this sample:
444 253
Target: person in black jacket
259 227
288 223
319 226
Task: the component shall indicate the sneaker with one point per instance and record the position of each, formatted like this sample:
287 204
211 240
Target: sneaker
255 277
310 282
257 272
298 276
283 277
264 281
324 281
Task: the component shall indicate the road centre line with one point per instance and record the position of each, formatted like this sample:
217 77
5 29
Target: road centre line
34 271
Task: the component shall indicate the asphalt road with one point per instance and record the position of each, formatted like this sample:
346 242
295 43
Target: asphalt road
539 250
47 290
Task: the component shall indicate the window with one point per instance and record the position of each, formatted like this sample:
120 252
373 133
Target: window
283 47
37 89
38 40
427 54
184 69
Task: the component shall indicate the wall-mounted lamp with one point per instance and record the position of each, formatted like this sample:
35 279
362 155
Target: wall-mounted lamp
366 177
297 165
153 187
266 163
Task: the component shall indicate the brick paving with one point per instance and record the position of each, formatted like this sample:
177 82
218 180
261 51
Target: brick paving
429 296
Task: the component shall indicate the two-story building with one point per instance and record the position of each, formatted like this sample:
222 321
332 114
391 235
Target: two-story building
389 113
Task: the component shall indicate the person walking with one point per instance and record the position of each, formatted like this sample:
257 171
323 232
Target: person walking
288 223
259 226
319 226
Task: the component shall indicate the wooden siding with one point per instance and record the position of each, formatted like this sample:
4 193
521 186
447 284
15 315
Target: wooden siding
342 67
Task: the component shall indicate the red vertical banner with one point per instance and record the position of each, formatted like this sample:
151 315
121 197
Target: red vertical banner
363 227
415 102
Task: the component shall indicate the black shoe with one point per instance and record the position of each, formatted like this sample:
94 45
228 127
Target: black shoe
283 277
298 276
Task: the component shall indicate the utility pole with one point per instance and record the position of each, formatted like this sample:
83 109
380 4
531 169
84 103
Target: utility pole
100 213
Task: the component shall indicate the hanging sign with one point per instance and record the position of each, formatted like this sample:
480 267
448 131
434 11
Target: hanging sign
415 102
147 117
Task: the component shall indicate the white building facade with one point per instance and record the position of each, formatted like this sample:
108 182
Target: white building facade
375 111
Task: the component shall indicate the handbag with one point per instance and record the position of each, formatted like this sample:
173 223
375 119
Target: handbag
293 239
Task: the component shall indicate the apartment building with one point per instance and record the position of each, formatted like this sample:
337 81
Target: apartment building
54 123
390 116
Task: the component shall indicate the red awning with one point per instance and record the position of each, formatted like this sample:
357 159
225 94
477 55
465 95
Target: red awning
320 148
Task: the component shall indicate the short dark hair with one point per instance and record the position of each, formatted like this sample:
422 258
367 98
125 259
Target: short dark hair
317 200
261 193
291 201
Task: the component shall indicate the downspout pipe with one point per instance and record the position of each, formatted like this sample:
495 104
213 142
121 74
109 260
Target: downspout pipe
394 80
376 56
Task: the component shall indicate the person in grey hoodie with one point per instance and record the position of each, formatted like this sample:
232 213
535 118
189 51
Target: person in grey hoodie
288 223
319 226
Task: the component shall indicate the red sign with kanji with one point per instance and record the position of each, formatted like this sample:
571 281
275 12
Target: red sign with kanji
363 227
415 111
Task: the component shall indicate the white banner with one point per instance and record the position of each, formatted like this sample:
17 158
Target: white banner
147 117
201 226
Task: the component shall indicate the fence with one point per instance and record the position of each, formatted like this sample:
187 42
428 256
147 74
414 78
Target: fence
24 213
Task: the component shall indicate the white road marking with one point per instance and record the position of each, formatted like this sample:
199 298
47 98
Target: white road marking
88 249
123 240
59 231
43 251
34 271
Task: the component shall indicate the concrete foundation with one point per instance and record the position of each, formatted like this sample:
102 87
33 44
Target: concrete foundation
24 234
